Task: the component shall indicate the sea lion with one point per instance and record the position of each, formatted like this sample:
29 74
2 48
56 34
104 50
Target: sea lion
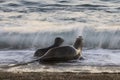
40 52
64 53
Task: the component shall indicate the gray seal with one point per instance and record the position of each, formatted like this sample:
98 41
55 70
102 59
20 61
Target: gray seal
64 53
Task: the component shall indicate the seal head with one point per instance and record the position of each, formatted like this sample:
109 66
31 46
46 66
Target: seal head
57 42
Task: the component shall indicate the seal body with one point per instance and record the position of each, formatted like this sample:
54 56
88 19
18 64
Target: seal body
63 53
41 52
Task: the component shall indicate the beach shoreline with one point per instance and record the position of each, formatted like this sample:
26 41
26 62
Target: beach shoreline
30 72
58 76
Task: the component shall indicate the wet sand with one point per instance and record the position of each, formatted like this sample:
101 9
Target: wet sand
58 76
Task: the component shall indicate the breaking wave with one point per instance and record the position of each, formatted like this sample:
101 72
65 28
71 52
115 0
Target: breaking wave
36 23
93 38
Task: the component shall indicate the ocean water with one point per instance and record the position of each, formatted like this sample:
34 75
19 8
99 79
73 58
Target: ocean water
26 25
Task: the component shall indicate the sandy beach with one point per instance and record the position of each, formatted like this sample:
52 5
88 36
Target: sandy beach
58 76
54 72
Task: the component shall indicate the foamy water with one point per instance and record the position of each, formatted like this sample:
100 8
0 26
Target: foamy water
26 25
93 57
95 61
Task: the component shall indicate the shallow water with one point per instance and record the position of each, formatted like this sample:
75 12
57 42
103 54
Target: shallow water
26 25
93 57
95 61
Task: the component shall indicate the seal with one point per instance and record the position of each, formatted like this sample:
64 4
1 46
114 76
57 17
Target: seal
57 42
64 53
